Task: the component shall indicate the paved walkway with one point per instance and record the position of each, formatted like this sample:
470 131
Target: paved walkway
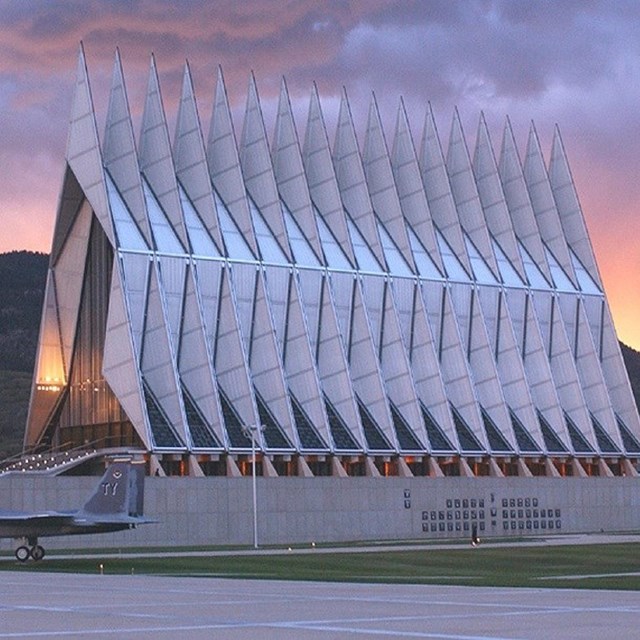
67 606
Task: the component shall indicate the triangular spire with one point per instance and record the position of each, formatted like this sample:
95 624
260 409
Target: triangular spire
381 184
615 374
569 210
513 379
83 149
119 150
224 164
455 371
438 190
120 365
300 366
191 160
195 366
565 375
366 375
518 202
351 180
230 361
69 278
544 206
267 371
321 178
591 378
156 163
50 370
413 199
465 194
396 370
158 365
255 159
333 369
480 350
289 171
425 368
539 376
495 208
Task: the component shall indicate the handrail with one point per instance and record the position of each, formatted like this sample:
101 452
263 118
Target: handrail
47 459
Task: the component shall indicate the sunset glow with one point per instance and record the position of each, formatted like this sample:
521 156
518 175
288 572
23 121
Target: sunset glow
530 61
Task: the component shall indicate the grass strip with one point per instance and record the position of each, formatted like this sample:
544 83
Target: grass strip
512 566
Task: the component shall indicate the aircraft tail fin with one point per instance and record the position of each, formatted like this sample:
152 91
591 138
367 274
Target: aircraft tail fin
119 492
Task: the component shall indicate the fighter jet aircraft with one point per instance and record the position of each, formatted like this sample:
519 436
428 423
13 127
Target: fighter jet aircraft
115 504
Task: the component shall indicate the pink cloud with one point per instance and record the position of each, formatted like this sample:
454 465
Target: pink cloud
569 62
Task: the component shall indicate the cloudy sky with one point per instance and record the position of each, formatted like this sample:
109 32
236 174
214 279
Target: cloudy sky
571 62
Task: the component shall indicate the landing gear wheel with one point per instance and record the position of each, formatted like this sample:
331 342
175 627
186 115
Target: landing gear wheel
37 552
22 553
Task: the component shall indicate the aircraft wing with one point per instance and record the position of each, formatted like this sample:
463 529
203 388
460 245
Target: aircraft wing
83 519
15 524
50 517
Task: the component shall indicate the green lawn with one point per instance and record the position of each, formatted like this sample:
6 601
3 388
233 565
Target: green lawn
517 566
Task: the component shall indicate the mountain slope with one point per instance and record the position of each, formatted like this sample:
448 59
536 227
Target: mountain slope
22 280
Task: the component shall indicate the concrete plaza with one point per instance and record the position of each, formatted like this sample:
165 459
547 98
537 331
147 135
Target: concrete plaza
42 605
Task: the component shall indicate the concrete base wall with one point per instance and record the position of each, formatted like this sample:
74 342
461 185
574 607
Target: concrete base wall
216 511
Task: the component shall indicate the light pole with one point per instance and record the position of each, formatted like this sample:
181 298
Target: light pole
251 431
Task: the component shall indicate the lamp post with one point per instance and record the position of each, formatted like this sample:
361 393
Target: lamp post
251 431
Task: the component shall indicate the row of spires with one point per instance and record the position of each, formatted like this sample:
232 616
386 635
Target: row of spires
497 199
509 200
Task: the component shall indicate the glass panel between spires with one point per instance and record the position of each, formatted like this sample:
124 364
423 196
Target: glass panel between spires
333 254
267 242
236 245
303 254
560 278
129 236
453 266
480 268
232 423
364 256
496 439
342 437
426 267
307 433
534 275
396 263
439 441
508 273
578 439
551 438
603 439
163 234
466 437
629 441
585 281
201 242
524 439
202 435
